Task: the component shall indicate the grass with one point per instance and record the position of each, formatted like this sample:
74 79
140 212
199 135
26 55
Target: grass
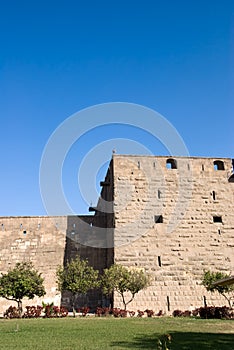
115 333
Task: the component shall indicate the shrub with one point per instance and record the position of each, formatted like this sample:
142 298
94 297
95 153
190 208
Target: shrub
63 312
160 313
119 312
48 310
149 313
187 313
12 312
207 312
216 312
54 311
177 313
195 312
123 313
83 310
33 311
102 311
131 313
116 312
140 313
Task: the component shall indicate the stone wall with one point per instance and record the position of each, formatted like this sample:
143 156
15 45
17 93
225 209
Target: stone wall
164 223
86 237
172 217
51 241
37 239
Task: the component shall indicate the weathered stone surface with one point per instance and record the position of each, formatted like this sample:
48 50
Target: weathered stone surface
48 242
38 239
158 219
192 196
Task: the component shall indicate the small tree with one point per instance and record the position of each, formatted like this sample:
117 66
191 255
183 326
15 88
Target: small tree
20 282
122 280
77 277
210 277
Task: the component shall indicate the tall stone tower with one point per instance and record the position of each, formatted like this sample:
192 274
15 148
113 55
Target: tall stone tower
174 218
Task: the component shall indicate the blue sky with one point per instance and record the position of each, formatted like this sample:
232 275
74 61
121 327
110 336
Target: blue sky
57 58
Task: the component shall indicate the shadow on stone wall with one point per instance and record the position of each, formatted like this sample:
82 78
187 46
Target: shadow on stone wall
82 229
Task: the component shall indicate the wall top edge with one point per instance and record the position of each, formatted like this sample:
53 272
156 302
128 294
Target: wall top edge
166 157
41 216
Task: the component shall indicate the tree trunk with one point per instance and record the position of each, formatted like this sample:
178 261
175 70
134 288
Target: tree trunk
73 305
124 302
74 311
20 308
228 300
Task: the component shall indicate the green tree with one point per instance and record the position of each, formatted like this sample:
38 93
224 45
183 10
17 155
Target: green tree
123 280
77 277
210 277
20 282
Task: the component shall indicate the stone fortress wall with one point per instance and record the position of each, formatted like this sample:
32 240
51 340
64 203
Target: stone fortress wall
38 239
48 242
172 217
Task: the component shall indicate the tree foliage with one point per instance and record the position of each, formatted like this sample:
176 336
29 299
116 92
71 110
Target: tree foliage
77 277
123 280
210 277
20 282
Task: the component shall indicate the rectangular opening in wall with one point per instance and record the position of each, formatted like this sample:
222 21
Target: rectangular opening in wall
218 165
159 261
159 194
219 232
171 163
214 195
217 219
158 219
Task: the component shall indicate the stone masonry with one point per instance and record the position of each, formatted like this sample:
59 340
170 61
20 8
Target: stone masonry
38 239
49 242
172 217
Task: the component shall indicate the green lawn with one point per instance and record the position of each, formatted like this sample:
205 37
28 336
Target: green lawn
115 333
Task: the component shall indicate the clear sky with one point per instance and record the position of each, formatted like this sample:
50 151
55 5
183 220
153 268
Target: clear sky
58 57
